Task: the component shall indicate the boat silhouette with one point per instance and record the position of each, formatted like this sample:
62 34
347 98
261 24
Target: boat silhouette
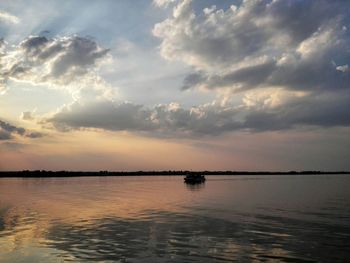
194 179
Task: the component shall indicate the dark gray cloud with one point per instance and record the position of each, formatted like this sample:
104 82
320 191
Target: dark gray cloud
162 120
322 110
326 110
241 79
102 114
51 60
11 128
5 135
7 131
301 19
2 44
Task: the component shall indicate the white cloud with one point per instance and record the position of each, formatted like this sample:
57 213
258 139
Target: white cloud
56 61
163 3
270 98
67 63
260 44
281 54
343 68
9 18
284 56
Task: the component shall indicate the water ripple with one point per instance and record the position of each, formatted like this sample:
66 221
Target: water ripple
160 219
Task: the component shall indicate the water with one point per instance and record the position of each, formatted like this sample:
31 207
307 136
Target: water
160 219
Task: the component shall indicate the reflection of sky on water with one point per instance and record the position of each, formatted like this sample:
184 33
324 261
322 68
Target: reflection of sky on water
161 219
200 239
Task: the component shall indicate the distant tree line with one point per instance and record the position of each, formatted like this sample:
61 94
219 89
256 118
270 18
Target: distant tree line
44 173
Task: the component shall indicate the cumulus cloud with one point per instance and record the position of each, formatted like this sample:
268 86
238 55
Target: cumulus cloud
104 114
161 120
8 18
269 111
57 61
300 45
322 110
7 131
163 3
289 59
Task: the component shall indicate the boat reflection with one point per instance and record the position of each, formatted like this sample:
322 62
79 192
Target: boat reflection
195 186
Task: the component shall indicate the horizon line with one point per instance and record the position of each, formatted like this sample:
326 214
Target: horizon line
64 173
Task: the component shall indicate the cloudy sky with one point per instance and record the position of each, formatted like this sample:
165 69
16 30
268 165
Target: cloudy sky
175 84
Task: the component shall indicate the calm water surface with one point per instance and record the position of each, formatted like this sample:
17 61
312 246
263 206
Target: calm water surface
160 219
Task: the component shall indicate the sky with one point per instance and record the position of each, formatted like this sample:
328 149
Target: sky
175 84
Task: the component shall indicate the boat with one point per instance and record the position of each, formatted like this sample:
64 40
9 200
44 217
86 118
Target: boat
194 179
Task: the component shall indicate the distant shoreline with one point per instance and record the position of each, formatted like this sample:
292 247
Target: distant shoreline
48 174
